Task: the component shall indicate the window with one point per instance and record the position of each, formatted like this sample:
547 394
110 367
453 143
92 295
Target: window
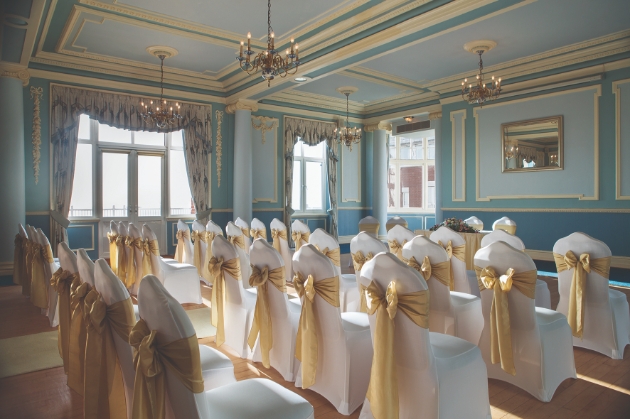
411 173
309 177
119 173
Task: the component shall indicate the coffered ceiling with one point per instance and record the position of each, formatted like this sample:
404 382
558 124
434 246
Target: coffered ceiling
398 53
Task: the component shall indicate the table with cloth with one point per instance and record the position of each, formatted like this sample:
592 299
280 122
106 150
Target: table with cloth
473 243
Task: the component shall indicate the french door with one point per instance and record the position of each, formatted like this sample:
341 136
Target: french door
132 189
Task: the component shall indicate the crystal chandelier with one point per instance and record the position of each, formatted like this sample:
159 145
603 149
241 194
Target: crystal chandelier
348 135
163 116
270 61
481 91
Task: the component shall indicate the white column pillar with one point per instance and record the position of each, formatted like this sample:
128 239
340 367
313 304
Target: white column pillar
436 124
12 169
379 172
242 195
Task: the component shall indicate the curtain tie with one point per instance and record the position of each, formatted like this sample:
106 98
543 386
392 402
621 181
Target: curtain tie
332 254
260 278
396 247
306 341
181 236
500 329
298 236
580 267
277 235
61 282
259 233
383 388
78 334
218 267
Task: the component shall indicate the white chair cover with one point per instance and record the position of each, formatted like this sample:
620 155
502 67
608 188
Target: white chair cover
242 224
463 282
49 268
299 226
284 316
86 268
365 243
243 254
258 225
187 243
474 222
123 230
606 316
400 235
136 254
211 227
285 252
439 375
504 223
395 221
67 258
541 338
239 302
348 291
344 343
264 398
369 224
453 313
543 296
180 279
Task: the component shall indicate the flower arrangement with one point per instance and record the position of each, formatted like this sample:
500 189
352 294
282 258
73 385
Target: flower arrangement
455 224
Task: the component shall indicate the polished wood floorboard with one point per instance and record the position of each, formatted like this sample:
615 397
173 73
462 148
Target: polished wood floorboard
602 390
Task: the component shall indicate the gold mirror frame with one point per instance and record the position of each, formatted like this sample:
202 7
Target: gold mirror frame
554 164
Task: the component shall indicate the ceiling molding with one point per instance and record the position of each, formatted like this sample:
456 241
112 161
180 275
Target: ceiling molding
31 27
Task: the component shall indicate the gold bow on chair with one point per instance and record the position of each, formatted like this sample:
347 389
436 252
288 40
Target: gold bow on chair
277 235
132 244
39 288
396 247
260 233
104 392
306 342
238 241
149 247
358 261
260 279
198 237
298 236
61 282
580 267
78 334
28 260
205 272
459 252
19 261
245 231
333 254
122 257
218 267
151 358
181 236
113 252
383 389
500 330
441 271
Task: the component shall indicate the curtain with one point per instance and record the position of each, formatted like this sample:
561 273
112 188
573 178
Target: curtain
312 133
117 110
197 147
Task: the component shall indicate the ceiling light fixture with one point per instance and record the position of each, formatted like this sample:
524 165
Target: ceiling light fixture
408 118
347 135
480 92
300 79
163 116
270 61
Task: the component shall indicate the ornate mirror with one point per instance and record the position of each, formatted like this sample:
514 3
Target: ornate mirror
535 144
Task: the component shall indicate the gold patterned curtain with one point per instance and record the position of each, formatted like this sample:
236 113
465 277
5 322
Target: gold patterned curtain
120 111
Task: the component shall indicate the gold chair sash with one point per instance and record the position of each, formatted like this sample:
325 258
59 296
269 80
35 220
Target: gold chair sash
28 260
61 282
122 257
441 271
132 244
39 288
198 237
370 227
152 357
396 247
298 236
218 267
104 392
113 252
333 254
78 334
210 235
149 247
245 231
19 261
306 341
358 260
260 279
179 250
383 388
459 252
276 236
237 241
580 267
258 233
500 329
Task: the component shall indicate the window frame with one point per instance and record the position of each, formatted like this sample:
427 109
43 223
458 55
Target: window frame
397 163
303 160
98 147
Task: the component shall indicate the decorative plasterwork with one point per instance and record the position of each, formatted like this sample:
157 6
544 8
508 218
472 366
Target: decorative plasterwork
264 124
435 115
219 146
617 92
381 125
16 73
36 94
242 105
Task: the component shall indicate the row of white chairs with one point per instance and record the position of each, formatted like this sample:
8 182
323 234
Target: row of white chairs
370 224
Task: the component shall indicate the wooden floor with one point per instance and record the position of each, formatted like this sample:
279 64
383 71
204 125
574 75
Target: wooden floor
602 389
